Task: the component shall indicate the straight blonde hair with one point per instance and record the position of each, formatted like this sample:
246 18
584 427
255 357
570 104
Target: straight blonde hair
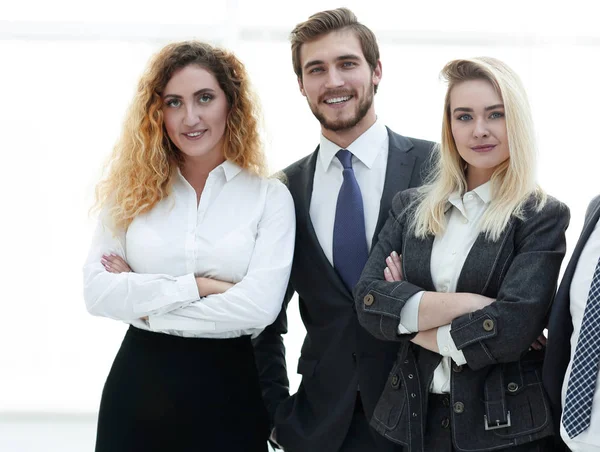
512 183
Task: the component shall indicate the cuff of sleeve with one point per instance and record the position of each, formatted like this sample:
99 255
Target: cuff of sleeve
181 290
188 289
409 316
447 346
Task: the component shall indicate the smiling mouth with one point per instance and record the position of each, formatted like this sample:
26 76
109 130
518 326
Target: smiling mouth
337 100
196 134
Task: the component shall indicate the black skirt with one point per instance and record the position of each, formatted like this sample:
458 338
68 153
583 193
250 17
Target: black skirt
173 394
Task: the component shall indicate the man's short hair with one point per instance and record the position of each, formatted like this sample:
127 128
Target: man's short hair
325 22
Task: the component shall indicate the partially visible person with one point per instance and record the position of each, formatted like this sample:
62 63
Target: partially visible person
462 277
193 249
570 371
342 193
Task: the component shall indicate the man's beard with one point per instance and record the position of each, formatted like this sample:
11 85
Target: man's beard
345 124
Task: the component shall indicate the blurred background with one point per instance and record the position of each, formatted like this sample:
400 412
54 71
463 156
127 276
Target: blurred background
68 70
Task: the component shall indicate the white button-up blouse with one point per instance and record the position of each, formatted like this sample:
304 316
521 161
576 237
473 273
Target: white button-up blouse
242 231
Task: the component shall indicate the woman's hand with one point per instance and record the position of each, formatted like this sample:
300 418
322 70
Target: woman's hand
208 286
114 264
393 271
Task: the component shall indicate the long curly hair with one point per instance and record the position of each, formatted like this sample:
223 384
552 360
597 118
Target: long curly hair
140 170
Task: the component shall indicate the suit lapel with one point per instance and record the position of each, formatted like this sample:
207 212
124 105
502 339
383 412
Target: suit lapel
588 228
400 165
471 275
417 268
398 174
305 188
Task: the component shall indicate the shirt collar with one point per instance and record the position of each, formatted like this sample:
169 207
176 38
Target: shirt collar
365 148
228 168
483 192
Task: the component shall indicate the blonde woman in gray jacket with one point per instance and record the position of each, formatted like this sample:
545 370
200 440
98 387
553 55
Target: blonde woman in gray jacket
463 275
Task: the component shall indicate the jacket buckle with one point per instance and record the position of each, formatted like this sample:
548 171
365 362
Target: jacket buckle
498 423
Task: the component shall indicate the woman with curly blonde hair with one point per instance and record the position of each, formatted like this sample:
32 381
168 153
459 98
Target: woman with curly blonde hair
193 250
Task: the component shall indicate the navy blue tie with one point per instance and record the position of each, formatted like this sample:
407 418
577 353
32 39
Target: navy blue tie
350 250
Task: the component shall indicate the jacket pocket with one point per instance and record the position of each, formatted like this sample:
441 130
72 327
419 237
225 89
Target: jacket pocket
526 400
392 403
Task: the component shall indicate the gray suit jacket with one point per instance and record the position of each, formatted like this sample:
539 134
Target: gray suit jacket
560 326
502 376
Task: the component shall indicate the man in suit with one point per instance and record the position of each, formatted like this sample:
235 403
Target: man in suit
570 371
342 193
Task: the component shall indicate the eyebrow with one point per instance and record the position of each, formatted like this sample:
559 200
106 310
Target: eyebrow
349 56
200 91
469 110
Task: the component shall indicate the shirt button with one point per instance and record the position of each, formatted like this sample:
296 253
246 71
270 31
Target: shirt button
446 349
465 220
469 196
445 288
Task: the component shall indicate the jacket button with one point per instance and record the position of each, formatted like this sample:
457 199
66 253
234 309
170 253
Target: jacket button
512 387
488 325
445 422
369 299
456 368
395 381
459 407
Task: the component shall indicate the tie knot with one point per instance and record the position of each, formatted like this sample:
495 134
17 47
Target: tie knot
345 158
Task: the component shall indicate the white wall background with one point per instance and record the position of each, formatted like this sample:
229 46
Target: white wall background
67 73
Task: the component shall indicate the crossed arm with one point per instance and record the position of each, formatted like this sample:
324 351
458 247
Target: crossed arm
436 310
206 286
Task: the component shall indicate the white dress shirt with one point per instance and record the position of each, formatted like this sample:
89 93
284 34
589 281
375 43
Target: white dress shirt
369 161
589 439
242 231
448 255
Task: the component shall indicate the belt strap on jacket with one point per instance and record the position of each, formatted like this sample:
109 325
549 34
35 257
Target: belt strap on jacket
496 412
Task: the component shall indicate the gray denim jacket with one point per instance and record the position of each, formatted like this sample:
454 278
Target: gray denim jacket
497 398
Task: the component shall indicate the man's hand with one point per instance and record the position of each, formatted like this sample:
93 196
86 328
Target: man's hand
540 342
